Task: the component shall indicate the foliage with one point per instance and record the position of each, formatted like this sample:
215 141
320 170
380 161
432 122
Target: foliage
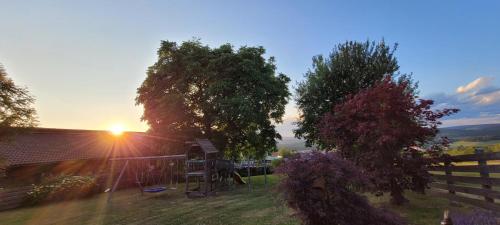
62 188
276 163
286 152
350 67
16 106
322 189
476 217
387 132
229 96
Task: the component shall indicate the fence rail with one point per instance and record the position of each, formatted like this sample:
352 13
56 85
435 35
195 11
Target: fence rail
475 190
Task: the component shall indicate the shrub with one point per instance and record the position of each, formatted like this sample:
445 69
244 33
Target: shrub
476 217
62 188
286 152
276 163
322 189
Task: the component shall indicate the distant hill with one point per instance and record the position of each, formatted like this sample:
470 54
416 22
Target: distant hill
472 133
293 143
482 132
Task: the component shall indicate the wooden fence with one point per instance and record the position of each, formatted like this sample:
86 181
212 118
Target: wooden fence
13 198
468 179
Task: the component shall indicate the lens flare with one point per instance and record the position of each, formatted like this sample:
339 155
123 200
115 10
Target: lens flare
117 129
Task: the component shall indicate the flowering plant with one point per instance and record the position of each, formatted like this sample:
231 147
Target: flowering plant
62 187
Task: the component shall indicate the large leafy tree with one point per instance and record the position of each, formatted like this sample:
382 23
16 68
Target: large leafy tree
232 97
16 106
350 67
390 133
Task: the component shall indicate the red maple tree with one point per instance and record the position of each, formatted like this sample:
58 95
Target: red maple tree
389 133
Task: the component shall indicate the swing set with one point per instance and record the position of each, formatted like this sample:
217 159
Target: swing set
151 174
200 165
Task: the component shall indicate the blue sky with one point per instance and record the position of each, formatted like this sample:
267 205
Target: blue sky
84 60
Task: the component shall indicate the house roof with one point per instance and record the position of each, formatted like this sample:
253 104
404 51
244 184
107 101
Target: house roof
205 145
42 145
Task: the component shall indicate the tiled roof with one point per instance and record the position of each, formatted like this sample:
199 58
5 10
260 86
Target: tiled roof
206 145
55 145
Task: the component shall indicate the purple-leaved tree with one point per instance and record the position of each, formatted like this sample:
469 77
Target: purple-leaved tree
322 188
389 133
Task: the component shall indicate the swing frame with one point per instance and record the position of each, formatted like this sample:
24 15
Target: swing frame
167 159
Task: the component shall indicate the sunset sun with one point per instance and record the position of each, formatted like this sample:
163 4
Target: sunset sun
117 129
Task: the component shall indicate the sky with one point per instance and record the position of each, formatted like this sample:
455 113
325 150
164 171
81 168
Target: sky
83 60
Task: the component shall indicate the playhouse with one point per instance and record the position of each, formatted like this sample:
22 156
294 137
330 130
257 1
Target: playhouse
201 161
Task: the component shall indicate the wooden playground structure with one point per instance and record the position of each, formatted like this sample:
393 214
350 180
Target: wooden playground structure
200 165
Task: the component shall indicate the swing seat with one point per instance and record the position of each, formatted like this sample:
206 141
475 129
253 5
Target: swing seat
154 189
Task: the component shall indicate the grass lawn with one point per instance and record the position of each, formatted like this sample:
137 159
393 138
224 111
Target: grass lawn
261 206
474 143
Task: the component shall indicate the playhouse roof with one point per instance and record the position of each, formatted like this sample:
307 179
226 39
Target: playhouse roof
43 145
205 145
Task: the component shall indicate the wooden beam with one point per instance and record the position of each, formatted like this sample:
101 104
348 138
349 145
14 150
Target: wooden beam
475 157
473 168
150 157
118 180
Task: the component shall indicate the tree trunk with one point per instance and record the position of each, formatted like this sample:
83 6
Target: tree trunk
397 197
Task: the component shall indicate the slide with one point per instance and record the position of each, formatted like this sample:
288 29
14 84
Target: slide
237 178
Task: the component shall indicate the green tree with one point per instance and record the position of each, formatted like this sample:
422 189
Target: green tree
350 67
286 152
232 97
16 106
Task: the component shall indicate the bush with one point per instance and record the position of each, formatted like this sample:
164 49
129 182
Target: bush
276 163
477 217
62 188
322 189
286 152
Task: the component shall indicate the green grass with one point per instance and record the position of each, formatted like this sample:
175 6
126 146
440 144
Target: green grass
423 209
261 206
474 143
467 147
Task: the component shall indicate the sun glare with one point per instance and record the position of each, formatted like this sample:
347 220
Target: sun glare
117 129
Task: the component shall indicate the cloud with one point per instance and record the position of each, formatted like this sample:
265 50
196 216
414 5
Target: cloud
476 84
488 98
289 119
477 100
286 128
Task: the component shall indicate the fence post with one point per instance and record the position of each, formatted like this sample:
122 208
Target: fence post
446 219
483 171
447 170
